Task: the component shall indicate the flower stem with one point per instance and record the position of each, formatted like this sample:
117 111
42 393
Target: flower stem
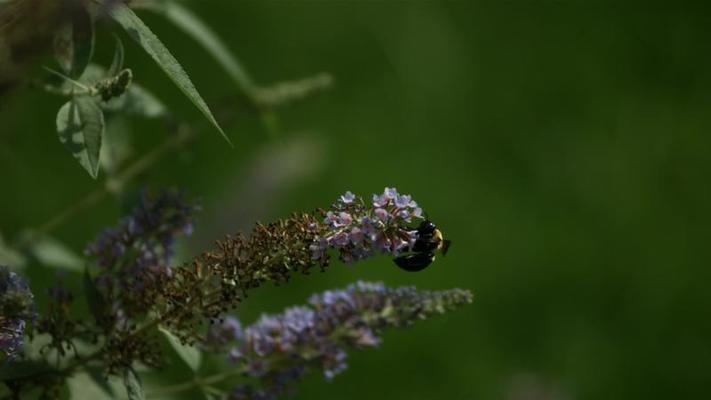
112 185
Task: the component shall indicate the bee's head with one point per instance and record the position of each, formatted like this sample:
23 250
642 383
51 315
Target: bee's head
426 227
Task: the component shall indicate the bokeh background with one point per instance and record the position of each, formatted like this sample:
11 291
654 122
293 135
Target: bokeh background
562 145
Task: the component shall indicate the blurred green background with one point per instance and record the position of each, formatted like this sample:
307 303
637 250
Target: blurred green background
562 145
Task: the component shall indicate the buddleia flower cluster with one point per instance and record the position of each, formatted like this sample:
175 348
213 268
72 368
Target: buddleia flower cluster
16 310
132 289
279 349
217 280
359 230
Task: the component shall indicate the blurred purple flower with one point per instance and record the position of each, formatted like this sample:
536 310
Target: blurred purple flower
135 256
16 308
279 349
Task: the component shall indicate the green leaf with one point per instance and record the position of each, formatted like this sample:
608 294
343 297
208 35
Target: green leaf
80 125
189 354
134 390
74 43
117 63
93 74
91 385
117 144
11 257
94 299
53 253
139 32
191 24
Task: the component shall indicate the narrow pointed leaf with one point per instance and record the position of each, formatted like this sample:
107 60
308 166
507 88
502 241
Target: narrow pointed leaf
139 32
117 62
191 24
80 125
53 253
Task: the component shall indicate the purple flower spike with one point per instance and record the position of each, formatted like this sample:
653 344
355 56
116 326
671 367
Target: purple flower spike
279 349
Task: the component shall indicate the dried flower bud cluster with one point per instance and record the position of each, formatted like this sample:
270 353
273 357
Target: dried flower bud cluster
280 348
16 309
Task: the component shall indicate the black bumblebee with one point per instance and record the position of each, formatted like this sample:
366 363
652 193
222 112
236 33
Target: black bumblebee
422 253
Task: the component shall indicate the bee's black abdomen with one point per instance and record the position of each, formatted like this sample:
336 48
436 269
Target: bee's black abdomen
424 244
414 262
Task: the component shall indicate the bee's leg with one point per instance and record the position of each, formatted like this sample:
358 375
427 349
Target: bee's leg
445 246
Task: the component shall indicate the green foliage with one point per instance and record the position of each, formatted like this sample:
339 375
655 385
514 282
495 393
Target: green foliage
118 60
10 256
80 125
139 32
53 253
74 43
190 355
186 20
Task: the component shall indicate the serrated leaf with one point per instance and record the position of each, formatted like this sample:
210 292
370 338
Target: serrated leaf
189 354
80 125
94 299
117 62
139 32
191 24
134 389
53 253
74 43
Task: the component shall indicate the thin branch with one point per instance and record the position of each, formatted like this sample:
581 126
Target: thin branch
112 185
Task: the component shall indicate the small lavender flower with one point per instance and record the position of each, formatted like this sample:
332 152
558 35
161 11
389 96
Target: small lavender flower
279 349
16 308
